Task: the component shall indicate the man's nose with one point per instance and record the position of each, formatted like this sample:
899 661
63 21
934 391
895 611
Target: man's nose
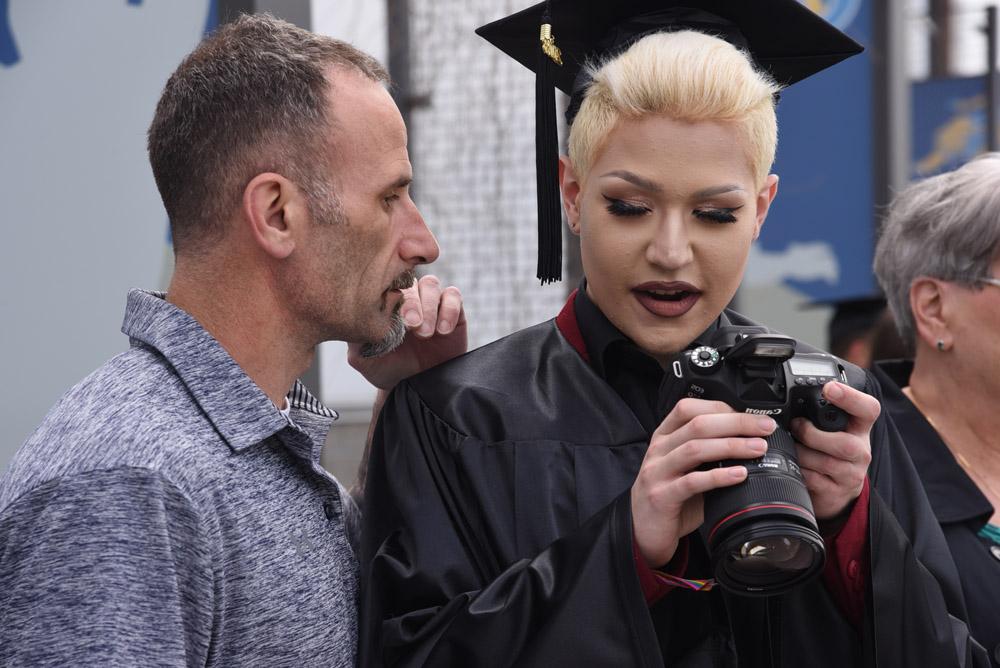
418 245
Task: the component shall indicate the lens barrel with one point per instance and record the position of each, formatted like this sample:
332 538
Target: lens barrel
762 534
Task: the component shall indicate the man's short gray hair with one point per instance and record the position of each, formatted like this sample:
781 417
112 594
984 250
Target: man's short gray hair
251 98
945 227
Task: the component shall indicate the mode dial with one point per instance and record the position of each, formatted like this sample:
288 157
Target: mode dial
704 357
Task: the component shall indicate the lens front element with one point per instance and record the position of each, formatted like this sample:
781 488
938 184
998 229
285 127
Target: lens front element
762 535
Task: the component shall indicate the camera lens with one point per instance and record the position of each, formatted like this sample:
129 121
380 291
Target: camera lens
767 558
762 535
772 553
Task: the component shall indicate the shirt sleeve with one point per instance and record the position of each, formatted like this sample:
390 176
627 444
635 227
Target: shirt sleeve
654 585
108 567
846 570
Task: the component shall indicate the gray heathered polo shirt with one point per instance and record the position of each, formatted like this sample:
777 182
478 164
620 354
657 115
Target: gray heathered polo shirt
165 513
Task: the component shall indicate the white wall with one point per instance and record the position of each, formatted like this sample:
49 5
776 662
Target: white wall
82 220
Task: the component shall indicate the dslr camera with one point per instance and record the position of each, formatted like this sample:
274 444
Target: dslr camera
762 534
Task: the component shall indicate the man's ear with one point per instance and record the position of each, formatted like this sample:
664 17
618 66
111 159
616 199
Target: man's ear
928 302
765 196
569 189
276 211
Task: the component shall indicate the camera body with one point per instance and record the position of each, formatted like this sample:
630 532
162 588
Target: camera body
762 534
760 373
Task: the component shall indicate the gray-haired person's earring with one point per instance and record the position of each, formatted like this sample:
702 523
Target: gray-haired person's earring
940 345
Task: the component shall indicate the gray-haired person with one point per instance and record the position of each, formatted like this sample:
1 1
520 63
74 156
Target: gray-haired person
171 508
938 261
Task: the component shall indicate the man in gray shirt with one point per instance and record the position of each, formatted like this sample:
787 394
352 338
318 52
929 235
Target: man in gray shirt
171 509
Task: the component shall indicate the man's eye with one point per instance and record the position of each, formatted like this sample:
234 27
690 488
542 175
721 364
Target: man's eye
390 199
717 215
617 207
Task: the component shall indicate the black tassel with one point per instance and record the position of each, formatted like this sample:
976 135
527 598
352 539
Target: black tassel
547 159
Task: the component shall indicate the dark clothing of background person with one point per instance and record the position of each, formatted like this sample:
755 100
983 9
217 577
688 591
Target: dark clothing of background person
960 507
498 532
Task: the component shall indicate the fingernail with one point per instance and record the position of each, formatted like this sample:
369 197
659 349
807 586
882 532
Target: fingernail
767 423
757 444
737 473
834 390
444 327
412 318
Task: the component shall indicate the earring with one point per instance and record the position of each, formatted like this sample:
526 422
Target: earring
940 345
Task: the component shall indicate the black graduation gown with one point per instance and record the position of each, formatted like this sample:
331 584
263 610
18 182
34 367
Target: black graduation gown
498 532
959 506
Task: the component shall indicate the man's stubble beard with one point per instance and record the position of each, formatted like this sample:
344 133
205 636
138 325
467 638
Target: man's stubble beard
392 339
326 210
397 328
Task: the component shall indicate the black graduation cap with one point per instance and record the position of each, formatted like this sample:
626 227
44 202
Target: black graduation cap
854 316
556 38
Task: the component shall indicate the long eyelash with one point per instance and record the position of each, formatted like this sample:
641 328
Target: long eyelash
617 207
718 215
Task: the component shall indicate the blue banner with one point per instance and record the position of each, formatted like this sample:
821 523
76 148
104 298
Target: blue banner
818 238
949 124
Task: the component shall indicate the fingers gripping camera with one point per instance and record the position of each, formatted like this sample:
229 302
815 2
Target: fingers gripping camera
762 535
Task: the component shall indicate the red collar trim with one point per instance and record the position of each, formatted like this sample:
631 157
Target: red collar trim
566 323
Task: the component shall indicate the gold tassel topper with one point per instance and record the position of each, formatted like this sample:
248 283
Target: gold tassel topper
549 44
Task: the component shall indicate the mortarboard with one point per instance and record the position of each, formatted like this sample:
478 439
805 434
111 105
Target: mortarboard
852 316
557 38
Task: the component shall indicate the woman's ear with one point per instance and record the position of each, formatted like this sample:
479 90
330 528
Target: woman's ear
276 212
928 303
765 196
569 188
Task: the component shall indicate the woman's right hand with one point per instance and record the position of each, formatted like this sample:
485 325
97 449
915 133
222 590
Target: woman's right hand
667 494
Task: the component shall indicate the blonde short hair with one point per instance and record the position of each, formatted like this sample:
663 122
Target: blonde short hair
686 76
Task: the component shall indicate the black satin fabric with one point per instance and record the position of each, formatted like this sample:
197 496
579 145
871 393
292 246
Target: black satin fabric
498 533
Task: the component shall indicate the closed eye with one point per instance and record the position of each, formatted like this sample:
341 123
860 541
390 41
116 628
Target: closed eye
617 207
724 215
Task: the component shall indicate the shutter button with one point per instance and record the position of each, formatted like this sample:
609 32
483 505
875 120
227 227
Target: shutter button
329 510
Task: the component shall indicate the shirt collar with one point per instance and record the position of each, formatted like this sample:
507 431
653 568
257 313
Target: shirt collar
600 336
953 495
237 408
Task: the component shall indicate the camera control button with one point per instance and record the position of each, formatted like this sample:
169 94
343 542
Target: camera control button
705 357
800 381
810 380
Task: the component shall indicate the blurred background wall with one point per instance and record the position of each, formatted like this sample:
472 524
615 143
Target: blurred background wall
83 221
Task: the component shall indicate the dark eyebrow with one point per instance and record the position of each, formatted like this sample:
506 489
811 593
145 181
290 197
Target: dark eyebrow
401 182
635 179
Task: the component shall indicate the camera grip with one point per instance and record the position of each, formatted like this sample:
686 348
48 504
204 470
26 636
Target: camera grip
826 416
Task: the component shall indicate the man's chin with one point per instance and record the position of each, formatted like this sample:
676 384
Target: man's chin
392 340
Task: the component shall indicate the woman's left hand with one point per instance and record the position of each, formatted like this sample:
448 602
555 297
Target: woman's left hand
834 464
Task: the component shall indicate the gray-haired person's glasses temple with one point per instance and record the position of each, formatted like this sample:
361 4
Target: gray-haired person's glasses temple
990 280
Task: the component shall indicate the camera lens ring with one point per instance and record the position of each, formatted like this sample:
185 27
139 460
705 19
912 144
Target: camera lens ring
737 578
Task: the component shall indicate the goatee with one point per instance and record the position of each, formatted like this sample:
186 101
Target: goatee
397 328
392 339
